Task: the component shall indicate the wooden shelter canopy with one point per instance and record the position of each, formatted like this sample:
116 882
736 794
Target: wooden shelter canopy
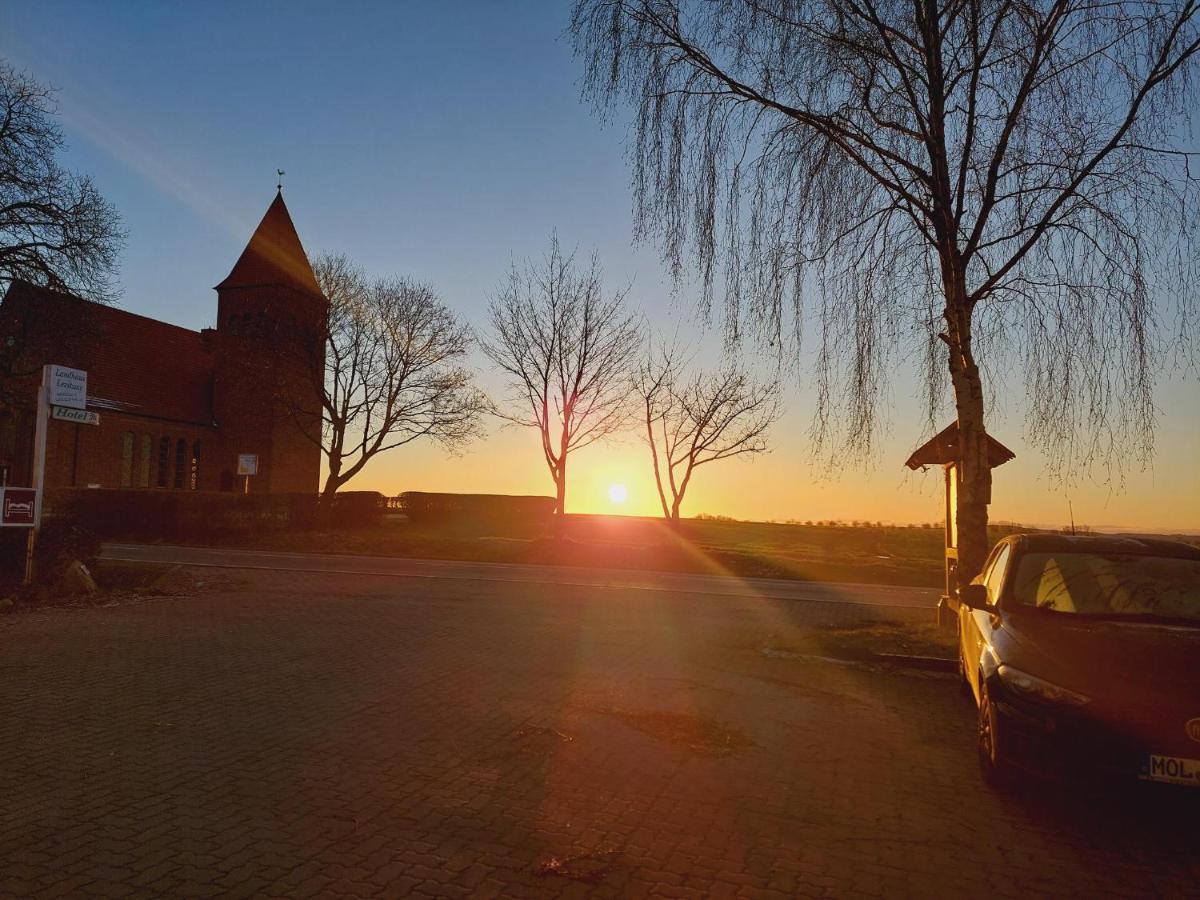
942 449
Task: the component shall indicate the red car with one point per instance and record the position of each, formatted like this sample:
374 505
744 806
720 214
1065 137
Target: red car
1083 656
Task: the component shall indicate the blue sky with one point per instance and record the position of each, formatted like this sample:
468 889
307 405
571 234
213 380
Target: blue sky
430 138
441 140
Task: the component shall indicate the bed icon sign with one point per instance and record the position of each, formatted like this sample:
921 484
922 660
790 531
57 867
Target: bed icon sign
18 507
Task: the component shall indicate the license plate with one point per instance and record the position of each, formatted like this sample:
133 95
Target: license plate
1171 769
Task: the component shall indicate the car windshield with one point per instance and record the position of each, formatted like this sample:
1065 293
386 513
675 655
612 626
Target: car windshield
1110 584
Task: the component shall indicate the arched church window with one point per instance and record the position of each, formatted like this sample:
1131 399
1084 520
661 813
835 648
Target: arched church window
164 460
144 461
127 459
180 462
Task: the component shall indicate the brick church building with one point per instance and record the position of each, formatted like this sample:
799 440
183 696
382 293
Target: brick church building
176 406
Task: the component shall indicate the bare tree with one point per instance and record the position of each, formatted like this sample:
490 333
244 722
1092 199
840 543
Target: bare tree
55 228
56 231
1001 182
691 422
391 371
568 353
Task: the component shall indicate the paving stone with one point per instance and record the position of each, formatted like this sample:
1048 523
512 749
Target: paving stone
320 735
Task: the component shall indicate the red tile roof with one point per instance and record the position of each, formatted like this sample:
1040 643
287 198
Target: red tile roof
274 255
134 364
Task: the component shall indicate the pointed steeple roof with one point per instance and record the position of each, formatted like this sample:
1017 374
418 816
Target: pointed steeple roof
274 255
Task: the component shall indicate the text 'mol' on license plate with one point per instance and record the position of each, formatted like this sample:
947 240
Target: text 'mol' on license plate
1171 769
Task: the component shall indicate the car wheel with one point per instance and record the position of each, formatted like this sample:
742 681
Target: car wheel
994 768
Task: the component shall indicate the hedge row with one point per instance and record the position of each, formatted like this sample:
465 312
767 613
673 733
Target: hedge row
201 514
425 507
60 542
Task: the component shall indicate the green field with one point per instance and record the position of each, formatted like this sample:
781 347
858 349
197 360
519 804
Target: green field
860 552
904 555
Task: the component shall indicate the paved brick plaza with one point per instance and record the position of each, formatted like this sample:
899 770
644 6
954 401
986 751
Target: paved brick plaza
320 735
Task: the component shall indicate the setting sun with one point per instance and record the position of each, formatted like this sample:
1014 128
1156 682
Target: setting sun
617 493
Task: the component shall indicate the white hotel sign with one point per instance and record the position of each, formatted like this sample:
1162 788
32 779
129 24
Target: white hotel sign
79 416
68 387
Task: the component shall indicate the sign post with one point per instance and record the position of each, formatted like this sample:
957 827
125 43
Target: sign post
18 508
62 388
247 466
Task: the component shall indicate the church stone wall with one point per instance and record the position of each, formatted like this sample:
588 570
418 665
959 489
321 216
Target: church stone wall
131 452
264 350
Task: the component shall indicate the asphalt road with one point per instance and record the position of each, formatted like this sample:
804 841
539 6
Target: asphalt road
624 579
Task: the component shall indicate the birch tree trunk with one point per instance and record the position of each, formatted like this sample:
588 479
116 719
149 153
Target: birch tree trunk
974 473
560 488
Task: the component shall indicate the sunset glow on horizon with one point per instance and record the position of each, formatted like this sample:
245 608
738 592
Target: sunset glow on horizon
188 197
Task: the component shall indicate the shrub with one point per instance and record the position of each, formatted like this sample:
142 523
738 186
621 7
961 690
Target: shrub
173 515
184 515
61 540
353 509
12 556
504 508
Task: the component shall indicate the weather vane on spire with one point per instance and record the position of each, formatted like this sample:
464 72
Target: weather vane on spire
280 173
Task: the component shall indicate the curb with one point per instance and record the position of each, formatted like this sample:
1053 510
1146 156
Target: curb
927 663
867 658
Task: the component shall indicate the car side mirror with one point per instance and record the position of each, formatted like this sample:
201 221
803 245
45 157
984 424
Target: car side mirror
974 596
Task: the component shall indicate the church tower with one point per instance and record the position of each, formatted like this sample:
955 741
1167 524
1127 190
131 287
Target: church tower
269 361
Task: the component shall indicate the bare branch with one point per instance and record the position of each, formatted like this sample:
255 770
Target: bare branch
56 230
696 420
566 352
389 365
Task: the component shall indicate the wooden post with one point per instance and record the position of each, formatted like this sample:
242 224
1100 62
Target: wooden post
948 605
39 443
41 427
951 531
30 543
